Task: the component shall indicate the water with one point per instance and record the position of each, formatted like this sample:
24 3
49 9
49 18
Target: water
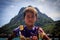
12 39
19 39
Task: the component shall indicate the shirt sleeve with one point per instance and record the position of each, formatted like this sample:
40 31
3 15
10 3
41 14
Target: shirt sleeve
16 31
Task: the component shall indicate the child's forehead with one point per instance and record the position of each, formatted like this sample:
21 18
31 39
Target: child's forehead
30 13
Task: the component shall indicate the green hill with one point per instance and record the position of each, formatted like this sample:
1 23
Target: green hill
18 20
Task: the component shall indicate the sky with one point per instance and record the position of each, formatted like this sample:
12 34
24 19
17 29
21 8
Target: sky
10 8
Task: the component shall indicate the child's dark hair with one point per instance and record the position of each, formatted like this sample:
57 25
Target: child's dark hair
30 9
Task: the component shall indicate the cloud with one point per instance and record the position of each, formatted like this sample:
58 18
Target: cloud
51 8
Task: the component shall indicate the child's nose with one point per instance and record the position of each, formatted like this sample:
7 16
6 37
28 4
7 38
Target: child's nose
30 18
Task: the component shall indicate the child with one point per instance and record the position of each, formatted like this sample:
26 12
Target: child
29 31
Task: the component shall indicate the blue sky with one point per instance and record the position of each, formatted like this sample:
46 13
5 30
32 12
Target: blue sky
10 8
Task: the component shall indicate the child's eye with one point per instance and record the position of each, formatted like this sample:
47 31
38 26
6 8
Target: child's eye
30 16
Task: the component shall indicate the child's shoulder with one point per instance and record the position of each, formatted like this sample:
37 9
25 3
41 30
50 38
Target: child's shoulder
20 27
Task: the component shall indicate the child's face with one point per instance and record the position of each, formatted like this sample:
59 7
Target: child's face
30 18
